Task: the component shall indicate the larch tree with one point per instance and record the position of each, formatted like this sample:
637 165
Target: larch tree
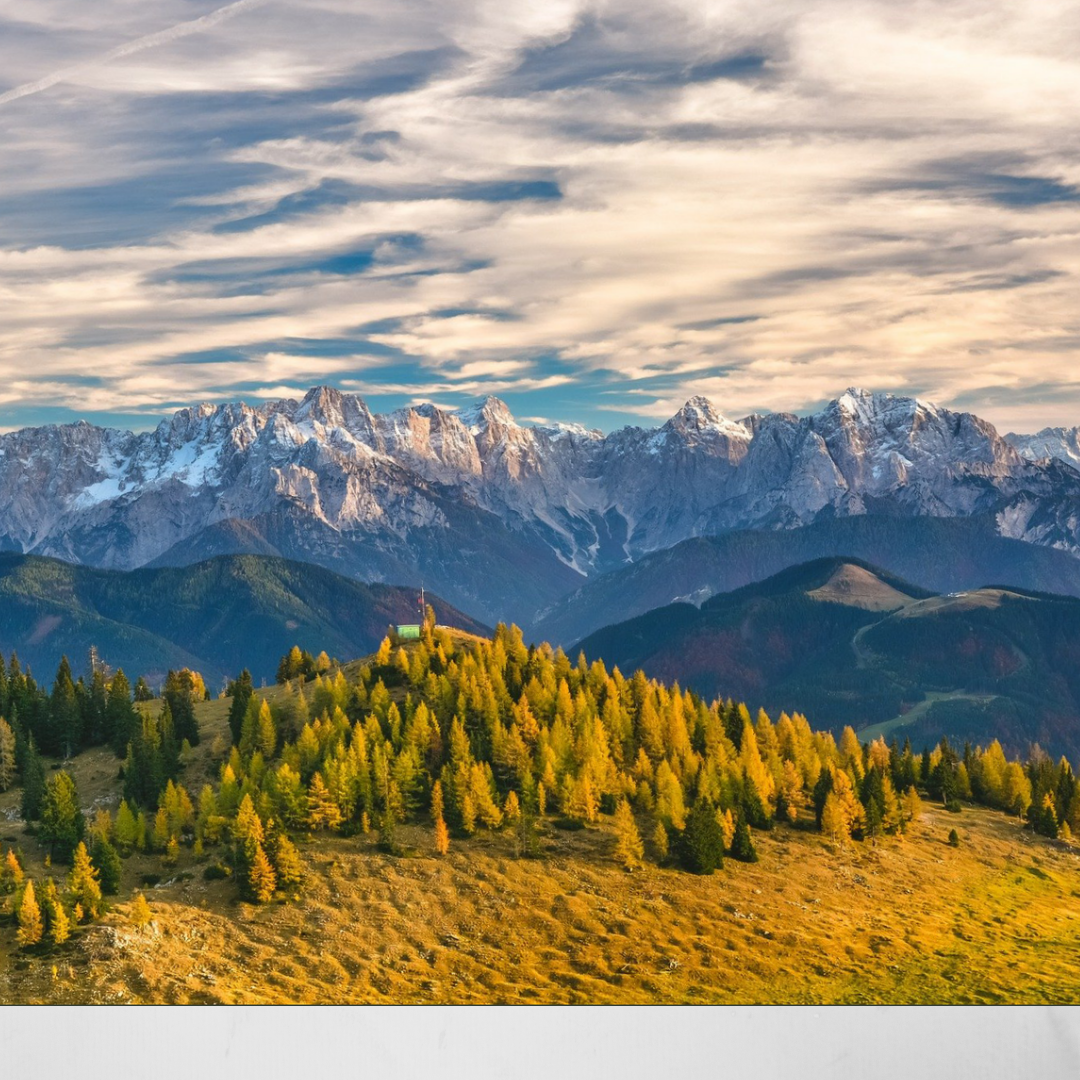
59 921
83 884
126 829
629 850
11 873
288 866
140 914
835 821
30 922
442 836
261 880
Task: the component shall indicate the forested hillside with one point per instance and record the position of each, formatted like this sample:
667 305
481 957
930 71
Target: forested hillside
443 742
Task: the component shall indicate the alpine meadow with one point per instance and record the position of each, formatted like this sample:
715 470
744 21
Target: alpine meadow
571 503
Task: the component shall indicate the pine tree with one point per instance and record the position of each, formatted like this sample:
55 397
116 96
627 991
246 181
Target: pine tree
629 849
31 927
107 863
742 846
83 883
142 692
241 692
182 689
121 718
33 781
7 755
62 823
701 846
66 733
872 827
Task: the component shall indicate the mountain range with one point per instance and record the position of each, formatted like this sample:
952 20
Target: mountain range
216 617
846 643
503 519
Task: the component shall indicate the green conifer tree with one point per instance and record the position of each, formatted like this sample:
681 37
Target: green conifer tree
107 863
62 823
33 781
8 767
742 845
701 846
241 692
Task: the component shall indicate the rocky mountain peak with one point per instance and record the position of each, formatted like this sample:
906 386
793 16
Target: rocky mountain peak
491 412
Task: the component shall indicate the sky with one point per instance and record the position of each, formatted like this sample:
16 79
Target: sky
592 210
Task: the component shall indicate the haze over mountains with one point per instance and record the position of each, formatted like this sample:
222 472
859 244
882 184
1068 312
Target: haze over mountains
503 519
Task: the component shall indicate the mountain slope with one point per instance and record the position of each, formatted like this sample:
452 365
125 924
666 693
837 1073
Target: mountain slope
848 644
939 554
499 517
217 616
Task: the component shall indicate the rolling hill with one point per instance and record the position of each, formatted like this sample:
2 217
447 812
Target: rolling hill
847 643
217 616
940 554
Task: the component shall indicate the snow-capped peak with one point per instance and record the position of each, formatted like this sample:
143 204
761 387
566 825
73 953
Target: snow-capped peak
699 420
492 411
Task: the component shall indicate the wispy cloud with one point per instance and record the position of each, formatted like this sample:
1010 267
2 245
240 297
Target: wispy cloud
149 41
594 209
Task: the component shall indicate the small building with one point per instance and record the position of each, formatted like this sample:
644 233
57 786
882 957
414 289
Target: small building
409 631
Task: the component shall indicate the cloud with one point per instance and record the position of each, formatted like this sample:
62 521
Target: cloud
594 209
151 41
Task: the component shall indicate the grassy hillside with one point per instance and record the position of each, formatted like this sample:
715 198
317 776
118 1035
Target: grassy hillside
939 554
216 616
996 919
992 663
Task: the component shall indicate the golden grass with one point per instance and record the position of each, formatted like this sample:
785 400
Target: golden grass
995 920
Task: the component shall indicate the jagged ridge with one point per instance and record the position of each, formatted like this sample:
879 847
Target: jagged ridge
503 518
